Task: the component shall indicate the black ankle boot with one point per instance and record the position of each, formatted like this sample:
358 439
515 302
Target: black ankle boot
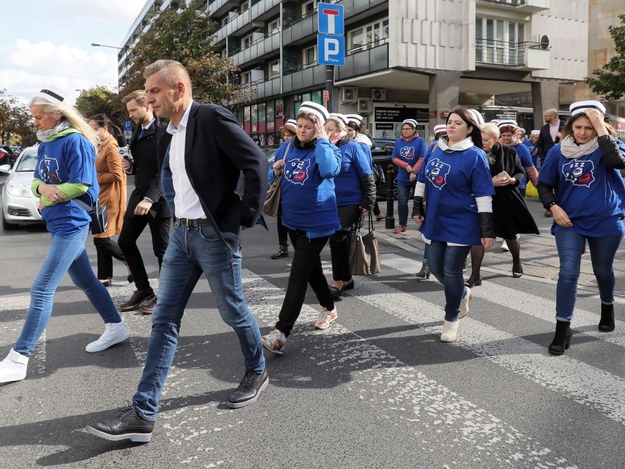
607 318
424 273
562 338
283 251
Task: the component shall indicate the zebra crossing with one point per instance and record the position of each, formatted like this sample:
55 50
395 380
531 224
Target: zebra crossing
375 390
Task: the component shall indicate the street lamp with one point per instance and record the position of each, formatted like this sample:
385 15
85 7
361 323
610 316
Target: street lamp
95 44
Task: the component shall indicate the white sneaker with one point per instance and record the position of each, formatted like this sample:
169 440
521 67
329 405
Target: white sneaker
274 341
504 246
464 303
13 367
113 334
450 331
326 318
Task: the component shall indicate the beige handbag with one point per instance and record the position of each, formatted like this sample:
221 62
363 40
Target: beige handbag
364 253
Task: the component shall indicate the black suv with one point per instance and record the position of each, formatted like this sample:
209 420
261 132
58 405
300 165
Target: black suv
381 152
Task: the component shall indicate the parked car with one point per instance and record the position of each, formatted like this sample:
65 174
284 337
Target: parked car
19 205
381 153
10 156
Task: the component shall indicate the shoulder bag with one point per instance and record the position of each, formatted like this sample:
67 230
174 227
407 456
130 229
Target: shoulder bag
364 253
274 193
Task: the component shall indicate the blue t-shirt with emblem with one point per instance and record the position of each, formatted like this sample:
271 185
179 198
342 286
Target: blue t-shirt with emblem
308 198
453 179
410 152
355 162
592 196
68 159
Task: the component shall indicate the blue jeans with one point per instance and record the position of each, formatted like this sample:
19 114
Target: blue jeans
65 255
570 245
446 264
403 195
191 252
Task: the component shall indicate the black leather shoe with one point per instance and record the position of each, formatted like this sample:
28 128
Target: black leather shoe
126 426
473 282
248 391
282 252
137 298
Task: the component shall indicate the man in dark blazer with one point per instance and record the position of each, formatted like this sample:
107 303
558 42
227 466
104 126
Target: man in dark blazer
215 179
146 205
548 137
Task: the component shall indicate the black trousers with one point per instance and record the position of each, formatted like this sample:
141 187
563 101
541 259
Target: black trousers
283 232
305 269
132 229
339 243
106 250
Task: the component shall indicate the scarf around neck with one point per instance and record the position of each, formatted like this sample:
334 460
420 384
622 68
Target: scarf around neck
60 130
572 150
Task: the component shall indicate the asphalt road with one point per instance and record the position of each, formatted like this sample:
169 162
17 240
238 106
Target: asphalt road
378 389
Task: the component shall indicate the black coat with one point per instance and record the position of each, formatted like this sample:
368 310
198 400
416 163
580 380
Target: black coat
545 142
146 170
509 208
227 170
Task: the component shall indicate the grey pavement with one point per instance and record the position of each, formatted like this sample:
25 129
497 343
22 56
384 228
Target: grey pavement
538 252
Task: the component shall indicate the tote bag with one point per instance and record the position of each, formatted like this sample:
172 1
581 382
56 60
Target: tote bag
274 193
364 253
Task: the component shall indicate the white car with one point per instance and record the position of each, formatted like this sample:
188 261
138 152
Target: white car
19 205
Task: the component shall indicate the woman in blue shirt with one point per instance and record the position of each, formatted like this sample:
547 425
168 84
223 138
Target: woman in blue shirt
456 182
408 150
581 185
65 171
309 213
355 196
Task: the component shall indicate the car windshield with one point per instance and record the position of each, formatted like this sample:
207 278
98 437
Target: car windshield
27 162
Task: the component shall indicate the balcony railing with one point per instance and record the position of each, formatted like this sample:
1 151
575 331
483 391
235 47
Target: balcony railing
508 54
364 60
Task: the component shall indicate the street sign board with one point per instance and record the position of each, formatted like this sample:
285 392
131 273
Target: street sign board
331 49
330 19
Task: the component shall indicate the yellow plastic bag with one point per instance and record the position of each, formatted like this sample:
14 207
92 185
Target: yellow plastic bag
531 191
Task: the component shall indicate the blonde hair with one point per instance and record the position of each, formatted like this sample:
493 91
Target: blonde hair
339 123
68 113
490 129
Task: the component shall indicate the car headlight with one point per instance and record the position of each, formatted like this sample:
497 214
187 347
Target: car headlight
17 189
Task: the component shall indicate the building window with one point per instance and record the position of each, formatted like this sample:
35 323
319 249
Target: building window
369 35
273 27
310 56
274 68
308 8
244 6
246 42
499 41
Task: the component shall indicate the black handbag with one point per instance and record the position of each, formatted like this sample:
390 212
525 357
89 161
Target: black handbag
273 198
98 214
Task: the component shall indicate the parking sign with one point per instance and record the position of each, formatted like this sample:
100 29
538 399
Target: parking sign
331 49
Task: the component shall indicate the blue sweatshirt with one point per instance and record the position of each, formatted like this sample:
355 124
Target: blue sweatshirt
71 159
355 162
308 198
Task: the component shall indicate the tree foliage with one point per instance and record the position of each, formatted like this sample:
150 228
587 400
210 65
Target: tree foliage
101 100
609 80
16 126
184 35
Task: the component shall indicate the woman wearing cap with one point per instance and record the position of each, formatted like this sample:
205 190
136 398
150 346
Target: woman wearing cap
112 181
510 212
407 155
65 171
355 195
456 183
531 144
287 132
508 129
581 185
309 213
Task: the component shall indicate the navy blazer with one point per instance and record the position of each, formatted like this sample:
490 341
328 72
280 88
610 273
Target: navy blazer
545 143
226 168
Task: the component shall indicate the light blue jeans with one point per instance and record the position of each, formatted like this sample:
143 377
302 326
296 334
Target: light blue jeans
446 264
570 245
191 252
65 255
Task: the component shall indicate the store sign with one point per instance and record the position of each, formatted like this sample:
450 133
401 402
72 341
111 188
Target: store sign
398 114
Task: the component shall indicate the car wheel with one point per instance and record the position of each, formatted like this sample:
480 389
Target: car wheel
6 226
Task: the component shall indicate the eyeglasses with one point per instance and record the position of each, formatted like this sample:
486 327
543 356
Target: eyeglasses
407 128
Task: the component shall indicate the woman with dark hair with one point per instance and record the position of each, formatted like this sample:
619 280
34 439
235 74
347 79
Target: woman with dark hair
112 180
408 154
309 213
581 184
509 209
456 182
287 132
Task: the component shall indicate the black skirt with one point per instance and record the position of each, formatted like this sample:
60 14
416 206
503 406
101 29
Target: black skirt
511 213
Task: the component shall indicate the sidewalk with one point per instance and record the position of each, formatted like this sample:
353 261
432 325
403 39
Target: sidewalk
538 252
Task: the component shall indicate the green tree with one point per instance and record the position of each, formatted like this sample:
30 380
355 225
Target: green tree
609 80
185 35
101 100
16 125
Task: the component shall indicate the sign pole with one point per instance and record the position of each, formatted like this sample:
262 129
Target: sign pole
330 87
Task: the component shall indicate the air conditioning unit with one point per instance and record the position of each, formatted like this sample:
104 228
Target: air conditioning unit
349 94
378 94
365 105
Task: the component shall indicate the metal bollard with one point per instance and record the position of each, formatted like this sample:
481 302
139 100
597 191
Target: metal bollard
390 202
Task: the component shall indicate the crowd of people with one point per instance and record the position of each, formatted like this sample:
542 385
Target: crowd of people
196 197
